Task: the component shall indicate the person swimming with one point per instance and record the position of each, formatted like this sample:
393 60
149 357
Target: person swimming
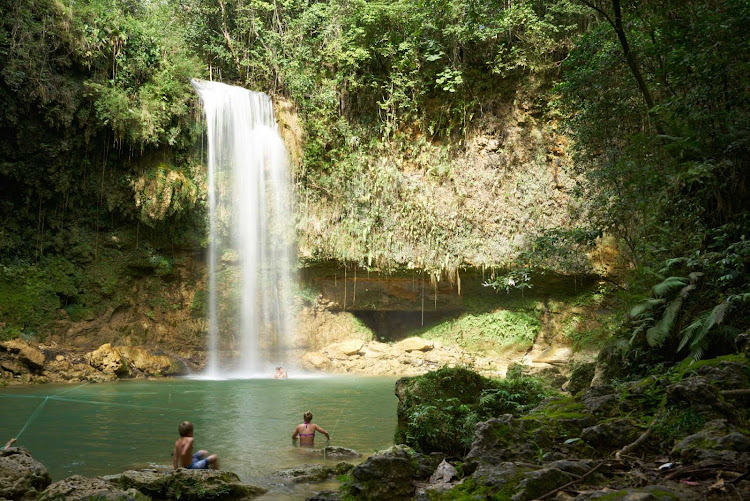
306 431
280 373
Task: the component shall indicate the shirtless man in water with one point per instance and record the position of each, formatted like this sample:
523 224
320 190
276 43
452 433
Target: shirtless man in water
183 452
306 431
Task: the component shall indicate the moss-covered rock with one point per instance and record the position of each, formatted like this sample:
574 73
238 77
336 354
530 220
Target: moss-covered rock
21 476
437 412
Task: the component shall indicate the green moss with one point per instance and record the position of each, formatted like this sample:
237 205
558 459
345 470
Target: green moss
470 489
490 331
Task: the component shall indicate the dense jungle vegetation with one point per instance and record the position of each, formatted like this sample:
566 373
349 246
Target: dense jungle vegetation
101 164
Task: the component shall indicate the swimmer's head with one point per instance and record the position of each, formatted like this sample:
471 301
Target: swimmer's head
307 416
186 429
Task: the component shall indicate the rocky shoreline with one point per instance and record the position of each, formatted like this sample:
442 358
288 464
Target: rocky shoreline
23 363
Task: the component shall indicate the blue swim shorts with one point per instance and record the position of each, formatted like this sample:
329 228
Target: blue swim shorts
200 462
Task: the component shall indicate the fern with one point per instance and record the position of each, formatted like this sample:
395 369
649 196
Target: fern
668 285
657 334
645 306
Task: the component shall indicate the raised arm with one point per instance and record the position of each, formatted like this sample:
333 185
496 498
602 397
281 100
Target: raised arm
9 443
321 430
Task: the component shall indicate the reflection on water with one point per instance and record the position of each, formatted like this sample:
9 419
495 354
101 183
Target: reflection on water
100 429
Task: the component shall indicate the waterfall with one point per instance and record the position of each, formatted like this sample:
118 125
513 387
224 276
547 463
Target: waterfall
250 233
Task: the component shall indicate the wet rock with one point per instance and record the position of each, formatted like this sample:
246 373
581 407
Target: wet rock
611 434
384 476
718 440
78 488
325 496
312 473
108 360
334 451
21 476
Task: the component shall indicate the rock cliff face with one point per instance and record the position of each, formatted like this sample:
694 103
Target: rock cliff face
156 326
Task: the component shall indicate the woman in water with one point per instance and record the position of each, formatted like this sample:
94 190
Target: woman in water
306 431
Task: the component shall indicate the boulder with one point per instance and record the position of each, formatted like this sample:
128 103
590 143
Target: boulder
581 376
384 476
325 496
346 348
21 476
727 375
108 360
151 363
316 360
414 344
611 434
499 477
78 488
27 354
599 399
334 451
718 440
444 473
312 473
150 482
506 438
198 485
701 396
540 482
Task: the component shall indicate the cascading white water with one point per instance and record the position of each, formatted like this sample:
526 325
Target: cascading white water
250 232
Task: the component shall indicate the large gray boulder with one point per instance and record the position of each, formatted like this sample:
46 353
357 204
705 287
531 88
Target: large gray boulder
21 476
189 485
78 488
384 476
611 434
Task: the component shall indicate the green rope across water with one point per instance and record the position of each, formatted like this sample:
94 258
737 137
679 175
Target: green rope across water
33 416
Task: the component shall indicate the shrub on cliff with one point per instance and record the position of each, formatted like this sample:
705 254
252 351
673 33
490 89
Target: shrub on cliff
437 412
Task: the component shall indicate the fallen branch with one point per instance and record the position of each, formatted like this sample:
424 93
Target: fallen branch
735 393
740 478
644 436
572 482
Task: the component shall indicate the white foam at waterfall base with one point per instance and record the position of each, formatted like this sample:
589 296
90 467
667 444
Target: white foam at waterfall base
250 230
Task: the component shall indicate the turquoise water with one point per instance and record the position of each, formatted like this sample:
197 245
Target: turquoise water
101 429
